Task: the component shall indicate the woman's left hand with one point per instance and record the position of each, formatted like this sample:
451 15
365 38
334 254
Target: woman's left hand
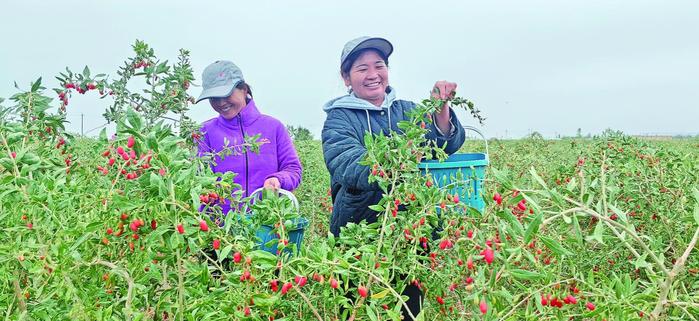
272 183
444 90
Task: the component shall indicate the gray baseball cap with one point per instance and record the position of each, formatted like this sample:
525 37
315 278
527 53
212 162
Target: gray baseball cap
360 43
219 79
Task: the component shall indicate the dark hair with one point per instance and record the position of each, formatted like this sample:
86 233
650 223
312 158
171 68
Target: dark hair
347 65
245 86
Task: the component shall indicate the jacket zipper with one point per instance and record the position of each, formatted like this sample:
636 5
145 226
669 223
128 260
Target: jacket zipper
245 151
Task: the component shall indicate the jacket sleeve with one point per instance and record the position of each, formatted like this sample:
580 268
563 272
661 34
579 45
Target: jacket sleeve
290 170
453 140
343 150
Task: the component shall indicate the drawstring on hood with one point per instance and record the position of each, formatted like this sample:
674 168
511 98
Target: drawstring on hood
351 101
369 122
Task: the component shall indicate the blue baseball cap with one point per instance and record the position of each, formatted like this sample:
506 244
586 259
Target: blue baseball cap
219 79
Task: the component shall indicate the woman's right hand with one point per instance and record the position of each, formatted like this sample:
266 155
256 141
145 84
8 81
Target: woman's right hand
444 90
272 183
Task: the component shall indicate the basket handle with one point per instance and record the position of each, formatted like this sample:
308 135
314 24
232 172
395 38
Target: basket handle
471 128
284 192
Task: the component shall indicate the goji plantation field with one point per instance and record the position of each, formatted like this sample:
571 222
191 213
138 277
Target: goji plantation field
129 227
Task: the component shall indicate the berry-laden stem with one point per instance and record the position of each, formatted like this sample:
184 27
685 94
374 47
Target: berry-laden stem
388 286
514 308
369 273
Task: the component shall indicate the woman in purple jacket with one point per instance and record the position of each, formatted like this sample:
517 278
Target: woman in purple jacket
276 165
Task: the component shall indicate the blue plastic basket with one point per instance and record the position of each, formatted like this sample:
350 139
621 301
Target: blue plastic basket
265 233
462 174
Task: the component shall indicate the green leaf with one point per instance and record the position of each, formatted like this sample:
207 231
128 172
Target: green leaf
598 234
224 253
94 226
36 85
572 184
567 219
30 158
370 312
533 227
103 135
556 197
260 256
554 246
512 220
526 275
264 300
532 203
194 194
86 72
619 213
79 241
380 295
155 180
641 262
175 240
134 119
538 178
502 178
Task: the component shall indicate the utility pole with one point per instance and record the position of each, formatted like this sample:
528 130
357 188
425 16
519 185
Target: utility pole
82 118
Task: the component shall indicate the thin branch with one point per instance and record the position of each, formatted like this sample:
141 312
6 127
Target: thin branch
129 282
18 294
676 269
308 302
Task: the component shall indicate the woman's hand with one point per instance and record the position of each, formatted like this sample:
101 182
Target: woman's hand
444 90
272 183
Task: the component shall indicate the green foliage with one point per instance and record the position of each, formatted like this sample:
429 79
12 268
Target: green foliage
299 134
608 221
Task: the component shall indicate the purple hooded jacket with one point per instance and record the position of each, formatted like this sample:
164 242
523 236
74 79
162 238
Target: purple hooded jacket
277 158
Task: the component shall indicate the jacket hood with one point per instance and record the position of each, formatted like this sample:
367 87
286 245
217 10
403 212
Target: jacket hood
353 102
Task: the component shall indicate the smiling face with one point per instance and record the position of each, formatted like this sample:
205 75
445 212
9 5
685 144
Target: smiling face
368 77
229 107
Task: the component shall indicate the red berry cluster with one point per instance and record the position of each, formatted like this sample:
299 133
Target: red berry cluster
132 165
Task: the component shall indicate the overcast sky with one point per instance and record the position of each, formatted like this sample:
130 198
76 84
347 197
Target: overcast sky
549 66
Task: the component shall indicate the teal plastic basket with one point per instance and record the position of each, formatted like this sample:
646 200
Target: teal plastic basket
461 174
265 233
